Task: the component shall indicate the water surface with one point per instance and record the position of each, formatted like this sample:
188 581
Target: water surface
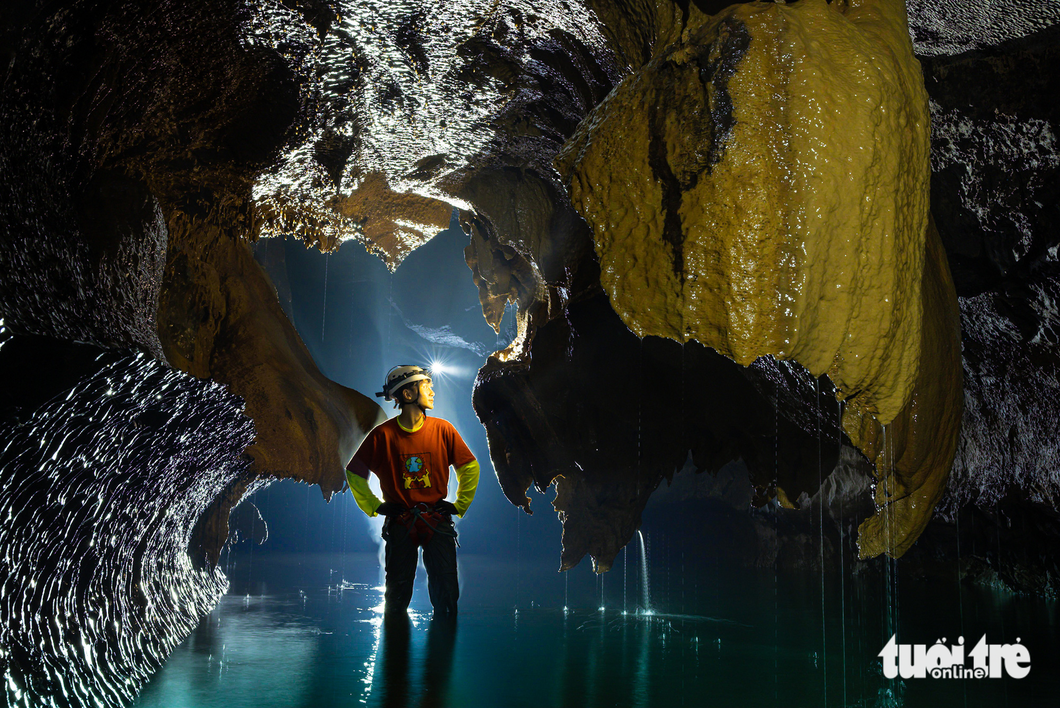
715 637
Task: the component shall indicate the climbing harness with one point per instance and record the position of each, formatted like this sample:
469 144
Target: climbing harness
422 522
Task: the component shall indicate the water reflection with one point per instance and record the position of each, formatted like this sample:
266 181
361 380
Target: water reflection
239 653
427 675
753 645
395 659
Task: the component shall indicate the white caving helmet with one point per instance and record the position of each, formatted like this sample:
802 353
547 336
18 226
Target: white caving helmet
400 376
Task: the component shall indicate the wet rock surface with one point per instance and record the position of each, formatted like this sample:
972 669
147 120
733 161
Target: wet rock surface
760 186
131 138
148 151
143 149
606 416
102 486
995 190
1018 162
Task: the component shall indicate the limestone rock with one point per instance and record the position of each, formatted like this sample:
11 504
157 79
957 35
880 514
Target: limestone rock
606 416
189 131
138 168
220 319
761 186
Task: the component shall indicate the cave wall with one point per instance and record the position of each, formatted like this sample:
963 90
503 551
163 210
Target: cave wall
129 210
996 194
143 148
761 186
539 75
132 136
102 487
331 121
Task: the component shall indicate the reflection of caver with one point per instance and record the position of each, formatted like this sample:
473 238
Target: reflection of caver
411 455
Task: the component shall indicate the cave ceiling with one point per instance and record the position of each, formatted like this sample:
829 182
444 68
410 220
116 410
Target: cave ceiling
747 213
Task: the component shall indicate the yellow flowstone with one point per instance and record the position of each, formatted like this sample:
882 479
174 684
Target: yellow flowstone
762 186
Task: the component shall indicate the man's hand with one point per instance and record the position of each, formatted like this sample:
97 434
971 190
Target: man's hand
389 509
446 507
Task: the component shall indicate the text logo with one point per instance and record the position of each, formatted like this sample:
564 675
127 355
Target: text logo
942 661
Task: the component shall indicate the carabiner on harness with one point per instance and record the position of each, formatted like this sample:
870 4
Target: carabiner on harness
422 522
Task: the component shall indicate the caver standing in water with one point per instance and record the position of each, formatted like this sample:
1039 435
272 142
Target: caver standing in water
411 455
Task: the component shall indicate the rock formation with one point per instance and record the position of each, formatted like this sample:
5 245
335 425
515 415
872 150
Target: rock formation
712 222
102 490
145 161
744 209
761 186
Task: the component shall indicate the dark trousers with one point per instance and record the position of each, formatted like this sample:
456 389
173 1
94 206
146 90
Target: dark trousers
439 558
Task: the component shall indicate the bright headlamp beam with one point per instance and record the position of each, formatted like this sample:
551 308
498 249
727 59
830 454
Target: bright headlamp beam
438 367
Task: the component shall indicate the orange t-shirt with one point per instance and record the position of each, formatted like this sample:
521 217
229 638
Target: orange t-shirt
412 467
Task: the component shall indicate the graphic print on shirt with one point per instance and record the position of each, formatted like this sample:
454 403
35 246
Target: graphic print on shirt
417 470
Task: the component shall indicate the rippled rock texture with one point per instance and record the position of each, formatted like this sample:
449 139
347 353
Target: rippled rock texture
129 210
131 138
101 489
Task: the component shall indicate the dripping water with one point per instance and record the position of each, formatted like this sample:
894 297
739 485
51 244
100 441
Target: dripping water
345 516
389 317
624 575
890 567
842 555
324 309
645 584
518 558
960 596
566 591
820 531
776 543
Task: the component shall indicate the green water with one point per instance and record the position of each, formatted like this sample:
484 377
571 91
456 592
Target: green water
733 638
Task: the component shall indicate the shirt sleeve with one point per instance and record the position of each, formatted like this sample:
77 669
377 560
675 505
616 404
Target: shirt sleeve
357 472
459 453
363 459
466 484
467 471
367 501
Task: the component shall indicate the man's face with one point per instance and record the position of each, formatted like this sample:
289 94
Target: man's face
426 395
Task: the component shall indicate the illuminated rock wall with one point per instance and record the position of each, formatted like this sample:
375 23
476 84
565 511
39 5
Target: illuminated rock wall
102 488
220 319
172 161
761 186
132 136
